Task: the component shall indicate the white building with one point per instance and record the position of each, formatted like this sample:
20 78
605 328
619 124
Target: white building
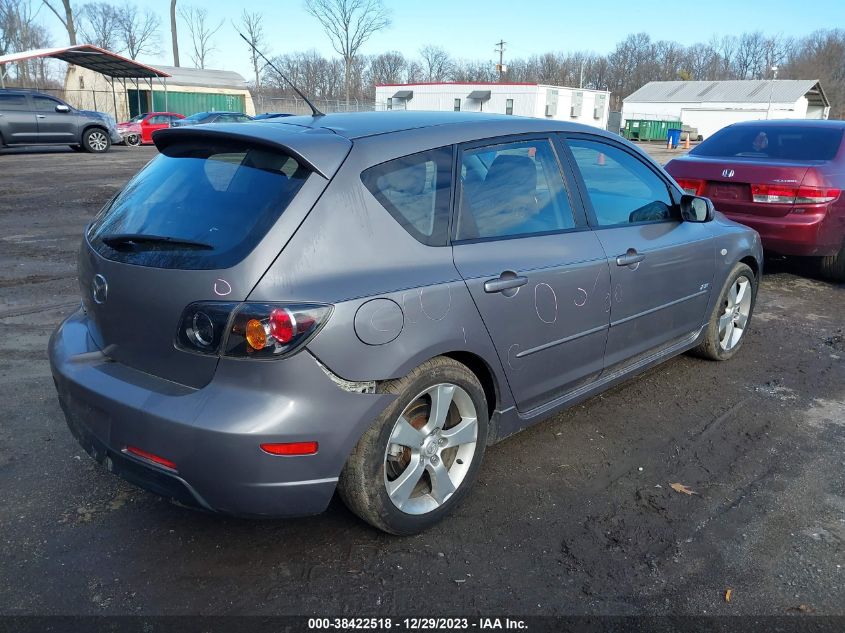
533 100
711 105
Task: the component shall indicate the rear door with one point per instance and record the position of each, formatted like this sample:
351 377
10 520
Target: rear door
536 272
661 268
17 120
53 126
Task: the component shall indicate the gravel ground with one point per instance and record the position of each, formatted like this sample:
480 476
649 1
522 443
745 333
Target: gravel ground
573 516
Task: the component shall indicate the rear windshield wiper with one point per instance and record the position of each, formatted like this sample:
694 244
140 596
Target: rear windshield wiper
126 241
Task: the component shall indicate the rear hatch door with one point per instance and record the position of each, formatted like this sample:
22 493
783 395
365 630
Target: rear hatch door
203 221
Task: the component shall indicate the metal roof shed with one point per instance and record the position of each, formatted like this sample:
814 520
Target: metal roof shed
93 58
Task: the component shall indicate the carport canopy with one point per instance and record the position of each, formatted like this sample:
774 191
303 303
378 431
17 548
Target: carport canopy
93 58
404 94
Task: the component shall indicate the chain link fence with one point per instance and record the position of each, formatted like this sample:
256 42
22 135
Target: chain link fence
295 105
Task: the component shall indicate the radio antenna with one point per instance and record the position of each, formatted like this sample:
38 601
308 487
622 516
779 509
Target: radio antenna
314 111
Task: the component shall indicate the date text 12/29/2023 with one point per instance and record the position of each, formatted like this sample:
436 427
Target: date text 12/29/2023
416 624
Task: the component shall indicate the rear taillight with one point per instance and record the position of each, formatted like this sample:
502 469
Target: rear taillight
249 330
273 330
779 194
691 186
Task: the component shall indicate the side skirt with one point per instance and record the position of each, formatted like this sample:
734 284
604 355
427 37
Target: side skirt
511 421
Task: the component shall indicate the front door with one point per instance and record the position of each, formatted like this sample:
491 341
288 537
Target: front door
151 124
53 126
661 268
536 272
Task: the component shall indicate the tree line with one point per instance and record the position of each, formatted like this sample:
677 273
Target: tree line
349 24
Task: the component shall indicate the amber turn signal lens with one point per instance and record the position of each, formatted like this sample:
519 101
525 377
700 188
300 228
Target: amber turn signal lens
255 334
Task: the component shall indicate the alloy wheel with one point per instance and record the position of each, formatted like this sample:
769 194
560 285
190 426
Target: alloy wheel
431 448
734 319
98 141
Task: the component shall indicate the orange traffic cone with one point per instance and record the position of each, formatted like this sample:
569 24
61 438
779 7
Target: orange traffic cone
600 160
686 142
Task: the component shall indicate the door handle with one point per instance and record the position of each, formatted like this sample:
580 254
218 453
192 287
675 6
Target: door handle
503 283
630 258
41 116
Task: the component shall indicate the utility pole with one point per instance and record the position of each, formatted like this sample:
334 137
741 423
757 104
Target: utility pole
500 48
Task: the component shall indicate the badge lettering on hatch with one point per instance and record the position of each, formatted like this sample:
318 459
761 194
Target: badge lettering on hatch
728 173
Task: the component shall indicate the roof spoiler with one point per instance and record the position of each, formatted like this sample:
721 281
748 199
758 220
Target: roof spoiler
319 150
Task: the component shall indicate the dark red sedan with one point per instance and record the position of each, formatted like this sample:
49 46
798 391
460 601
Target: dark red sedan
149 123
782 178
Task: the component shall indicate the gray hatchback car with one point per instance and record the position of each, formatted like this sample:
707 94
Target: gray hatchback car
363 302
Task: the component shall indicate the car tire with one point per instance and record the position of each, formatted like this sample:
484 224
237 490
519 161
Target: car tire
383 466
95 140
833 266
725 330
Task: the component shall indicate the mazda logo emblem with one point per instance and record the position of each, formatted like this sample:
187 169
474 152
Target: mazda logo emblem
728 173
100 289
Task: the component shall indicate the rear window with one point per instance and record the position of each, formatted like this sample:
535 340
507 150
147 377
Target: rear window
787 142
13 102
210 206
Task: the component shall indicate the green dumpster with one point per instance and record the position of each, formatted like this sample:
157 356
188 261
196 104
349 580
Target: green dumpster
648 130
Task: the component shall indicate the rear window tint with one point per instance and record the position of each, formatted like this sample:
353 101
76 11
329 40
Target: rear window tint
786 142
415 191
13 102
224 197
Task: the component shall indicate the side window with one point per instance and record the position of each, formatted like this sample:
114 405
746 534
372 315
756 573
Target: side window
45 104
415 191
157 120
622 189
13 102
512 189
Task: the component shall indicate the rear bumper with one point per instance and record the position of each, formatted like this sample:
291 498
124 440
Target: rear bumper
213 434
795 233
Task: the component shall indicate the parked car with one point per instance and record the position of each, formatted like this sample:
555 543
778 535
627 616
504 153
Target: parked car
32 118
148 123
201 118
270 313
271 115
782 178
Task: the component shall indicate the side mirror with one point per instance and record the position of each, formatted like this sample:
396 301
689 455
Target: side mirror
62 108
696 209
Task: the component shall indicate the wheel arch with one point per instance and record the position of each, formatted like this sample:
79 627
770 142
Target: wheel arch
483 372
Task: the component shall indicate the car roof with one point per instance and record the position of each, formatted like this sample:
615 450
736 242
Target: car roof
354 125
819 123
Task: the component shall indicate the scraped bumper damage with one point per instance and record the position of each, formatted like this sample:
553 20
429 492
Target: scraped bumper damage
212 435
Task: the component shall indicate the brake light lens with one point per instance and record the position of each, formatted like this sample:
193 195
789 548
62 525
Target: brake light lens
691 186
272 330
779 194
249 330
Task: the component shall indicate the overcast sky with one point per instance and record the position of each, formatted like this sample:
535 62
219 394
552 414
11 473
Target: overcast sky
470 28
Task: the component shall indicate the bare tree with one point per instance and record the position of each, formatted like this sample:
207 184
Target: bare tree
138 32
65 17
349 24
20 31
387 68
437 63
98 25
201 31
252 24
174 39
